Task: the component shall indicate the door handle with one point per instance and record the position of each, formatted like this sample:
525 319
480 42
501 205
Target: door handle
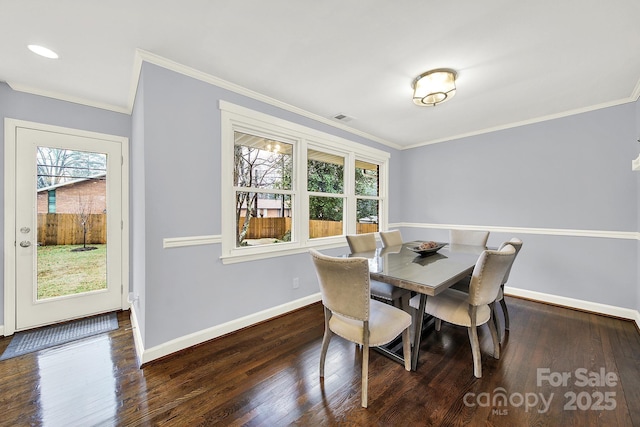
25 243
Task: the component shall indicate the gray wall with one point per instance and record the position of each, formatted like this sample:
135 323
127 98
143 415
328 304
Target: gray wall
569 173
22 106
563 174
176 182
637 195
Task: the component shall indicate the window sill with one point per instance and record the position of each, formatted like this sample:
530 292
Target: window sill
272 252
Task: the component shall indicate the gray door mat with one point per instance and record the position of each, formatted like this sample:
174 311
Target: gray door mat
50 336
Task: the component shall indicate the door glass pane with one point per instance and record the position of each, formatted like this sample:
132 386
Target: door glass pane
71 197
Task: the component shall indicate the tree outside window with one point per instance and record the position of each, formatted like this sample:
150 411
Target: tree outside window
325 183
263 180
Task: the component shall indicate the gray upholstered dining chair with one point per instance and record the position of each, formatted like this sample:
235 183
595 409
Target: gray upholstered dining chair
349 312
517 244
463 286
397 296
391 238
474 309
468 237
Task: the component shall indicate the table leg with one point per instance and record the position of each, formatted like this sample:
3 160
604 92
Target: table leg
417 336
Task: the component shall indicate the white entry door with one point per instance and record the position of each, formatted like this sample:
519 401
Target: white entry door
68 226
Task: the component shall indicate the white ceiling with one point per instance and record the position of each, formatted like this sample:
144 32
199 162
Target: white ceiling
517 62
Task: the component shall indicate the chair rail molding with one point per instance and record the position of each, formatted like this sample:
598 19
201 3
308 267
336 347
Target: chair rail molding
179 242
626 235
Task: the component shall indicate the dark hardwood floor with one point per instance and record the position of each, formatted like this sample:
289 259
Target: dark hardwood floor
267 375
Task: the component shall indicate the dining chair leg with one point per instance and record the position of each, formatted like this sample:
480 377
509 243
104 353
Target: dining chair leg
475 350
496 322
506 313
406 348
475 344
494 333
438 323
325 340
365 366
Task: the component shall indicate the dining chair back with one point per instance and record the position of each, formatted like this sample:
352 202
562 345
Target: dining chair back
488 275
360 243
391 238
517 244
463 285
468 237
475 308
351 314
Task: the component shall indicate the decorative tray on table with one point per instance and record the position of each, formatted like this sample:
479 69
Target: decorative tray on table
426 248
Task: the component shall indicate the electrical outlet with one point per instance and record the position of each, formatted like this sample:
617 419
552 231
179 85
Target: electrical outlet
296 283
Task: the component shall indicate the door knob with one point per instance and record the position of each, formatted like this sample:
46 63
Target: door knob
25 243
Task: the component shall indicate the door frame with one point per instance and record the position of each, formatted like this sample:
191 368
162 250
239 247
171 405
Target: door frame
10 141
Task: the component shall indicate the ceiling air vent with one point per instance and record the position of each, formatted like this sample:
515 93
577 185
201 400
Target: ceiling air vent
342 117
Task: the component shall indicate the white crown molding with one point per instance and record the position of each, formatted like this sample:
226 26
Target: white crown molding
63 97
168 64
142 55
568 113
627 235
186 341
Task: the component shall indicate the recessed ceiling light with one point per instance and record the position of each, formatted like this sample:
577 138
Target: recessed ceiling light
43 51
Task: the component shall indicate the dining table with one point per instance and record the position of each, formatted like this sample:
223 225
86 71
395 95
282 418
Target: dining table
427 274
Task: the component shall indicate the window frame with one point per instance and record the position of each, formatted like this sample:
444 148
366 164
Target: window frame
236 118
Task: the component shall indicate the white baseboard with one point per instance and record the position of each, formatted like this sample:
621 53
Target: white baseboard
609 310
137 335
181 343
146 355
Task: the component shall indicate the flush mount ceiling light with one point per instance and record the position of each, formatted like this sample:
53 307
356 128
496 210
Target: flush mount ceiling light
42 51
434 87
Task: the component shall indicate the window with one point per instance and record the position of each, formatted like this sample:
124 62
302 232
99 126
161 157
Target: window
262 183
325 186
367 186
286 187
51 201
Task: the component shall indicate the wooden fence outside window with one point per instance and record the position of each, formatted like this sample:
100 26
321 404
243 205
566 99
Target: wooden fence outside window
66 229
277 227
